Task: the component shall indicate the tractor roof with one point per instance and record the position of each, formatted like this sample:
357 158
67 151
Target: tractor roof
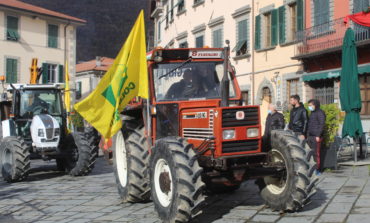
186 53
36 86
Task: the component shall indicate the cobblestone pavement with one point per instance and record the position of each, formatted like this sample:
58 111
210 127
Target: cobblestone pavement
50 196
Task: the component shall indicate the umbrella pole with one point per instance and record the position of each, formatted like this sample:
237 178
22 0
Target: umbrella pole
355 148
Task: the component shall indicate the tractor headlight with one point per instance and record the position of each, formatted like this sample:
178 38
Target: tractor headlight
252 132
57 132
228 134
41 133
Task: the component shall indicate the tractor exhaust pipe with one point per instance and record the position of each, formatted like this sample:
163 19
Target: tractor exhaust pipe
225 83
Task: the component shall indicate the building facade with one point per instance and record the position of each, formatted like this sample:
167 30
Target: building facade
319 50
199 23
262 35
88 75
27 32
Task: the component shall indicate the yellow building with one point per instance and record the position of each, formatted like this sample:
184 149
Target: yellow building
30 32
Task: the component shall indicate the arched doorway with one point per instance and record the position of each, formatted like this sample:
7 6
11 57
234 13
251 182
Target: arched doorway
266 95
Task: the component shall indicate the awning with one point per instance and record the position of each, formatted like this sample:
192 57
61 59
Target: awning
335 73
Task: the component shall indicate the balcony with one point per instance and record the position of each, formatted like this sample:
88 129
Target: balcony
156 8
328 37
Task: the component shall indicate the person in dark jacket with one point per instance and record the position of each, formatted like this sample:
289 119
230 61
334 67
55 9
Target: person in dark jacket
274 120
315 129
179 89
298 117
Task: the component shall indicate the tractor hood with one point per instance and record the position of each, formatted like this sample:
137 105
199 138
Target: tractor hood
45 131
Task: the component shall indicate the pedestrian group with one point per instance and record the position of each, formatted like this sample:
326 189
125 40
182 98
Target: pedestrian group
309 129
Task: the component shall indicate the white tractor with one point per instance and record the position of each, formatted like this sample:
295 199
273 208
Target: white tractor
34 125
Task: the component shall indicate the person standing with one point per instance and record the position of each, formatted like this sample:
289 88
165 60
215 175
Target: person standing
298 117
315 129
274 120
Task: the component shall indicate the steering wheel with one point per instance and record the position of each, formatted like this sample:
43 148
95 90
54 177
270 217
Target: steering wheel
38 109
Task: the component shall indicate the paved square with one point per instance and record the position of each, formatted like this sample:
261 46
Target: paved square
50 196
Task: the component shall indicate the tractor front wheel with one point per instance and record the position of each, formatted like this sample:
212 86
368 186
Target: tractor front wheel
294 185
14 159
177 187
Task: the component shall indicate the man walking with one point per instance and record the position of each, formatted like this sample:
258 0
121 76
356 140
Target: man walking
315 130
274 120
298 117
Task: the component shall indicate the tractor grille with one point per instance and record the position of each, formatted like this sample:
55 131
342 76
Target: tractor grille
239 146
250 117
197 133
49 133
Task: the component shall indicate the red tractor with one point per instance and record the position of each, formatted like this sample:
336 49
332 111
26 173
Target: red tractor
193 135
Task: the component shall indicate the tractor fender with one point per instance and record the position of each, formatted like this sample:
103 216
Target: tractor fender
8 128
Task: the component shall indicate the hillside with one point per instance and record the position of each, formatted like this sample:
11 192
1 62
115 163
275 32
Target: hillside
108 23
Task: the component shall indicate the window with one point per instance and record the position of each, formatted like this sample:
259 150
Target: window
292 87
271 29
268 30
360 5
11 70
365 93
12 28
180 6
159 32
241 47
217 38
52 73
321 15
167 12
183 44
171 12
197 2
293 21
266 95
323 91
199 41
53 33
78 90
245 98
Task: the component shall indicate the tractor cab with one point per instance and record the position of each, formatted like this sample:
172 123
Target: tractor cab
30 101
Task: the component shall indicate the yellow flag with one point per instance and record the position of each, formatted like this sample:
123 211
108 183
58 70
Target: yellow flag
127 78
67 94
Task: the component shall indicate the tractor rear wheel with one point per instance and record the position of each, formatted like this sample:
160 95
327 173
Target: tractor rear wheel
177 187
295 185
80 154
130 162
14 159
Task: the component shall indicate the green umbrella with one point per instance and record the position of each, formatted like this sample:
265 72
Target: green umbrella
350 97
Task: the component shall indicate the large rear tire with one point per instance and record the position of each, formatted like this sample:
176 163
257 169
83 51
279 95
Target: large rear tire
177 187
14 159
80 155
294 187
130 163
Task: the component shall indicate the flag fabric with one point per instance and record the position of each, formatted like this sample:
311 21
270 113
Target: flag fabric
126 78
67 98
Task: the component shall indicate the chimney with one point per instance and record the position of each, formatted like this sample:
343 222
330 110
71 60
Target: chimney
98 61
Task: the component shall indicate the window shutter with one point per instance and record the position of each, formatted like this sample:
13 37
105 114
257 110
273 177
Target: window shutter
300 15
9 70
274 27
61 74
12 23
45 73
282 24
257 40
52 36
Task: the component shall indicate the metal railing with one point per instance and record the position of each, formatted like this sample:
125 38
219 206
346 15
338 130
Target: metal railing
327 36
